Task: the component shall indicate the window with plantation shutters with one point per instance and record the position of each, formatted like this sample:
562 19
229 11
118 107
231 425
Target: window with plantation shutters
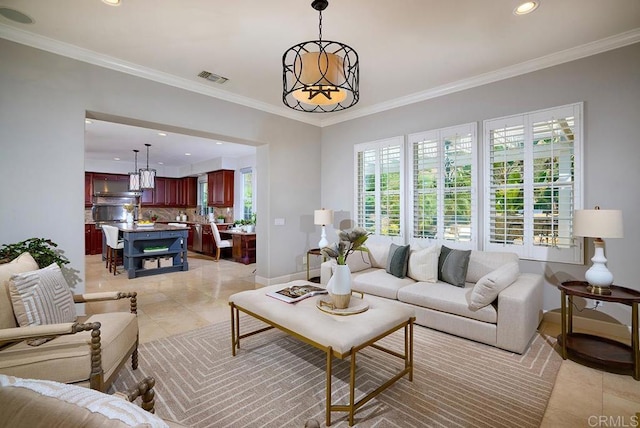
443 182
532 186
379 186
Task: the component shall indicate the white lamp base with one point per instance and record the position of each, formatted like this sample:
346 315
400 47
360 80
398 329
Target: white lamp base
598 276
323 239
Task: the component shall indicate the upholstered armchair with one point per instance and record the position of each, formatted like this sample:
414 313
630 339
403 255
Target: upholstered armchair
35 403
88 352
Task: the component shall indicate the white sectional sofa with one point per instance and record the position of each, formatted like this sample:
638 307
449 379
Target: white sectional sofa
498 305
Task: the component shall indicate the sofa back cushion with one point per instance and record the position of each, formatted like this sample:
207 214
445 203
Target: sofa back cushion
483 262
378 253
357 261
23 263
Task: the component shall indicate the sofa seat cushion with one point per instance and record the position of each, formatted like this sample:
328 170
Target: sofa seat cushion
379 283
67 358
446 298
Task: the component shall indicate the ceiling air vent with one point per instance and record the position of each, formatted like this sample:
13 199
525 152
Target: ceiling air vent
212 77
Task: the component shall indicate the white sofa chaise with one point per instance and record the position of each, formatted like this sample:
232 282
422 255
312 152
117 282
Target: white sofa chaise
507 321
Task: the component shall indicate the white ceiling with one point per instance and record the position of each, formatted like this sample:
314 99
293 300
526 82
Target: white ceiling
409 50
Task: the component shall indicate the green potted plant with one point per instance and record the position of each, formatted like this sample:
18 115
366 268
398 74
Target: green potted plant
42 250
221 218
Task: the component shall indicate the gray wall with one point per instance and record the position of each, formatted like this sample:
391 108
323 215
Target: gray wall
43 102
609 86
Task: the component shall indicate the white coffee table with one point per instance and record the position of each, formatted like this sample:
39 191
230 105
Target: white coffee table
338 336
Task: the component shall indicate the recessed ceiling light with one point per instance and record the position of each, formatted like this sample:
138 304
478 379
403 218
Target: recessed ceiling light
112 2
526 7
88 122
116 158
162 134
218 143
187 154
15 16
160 163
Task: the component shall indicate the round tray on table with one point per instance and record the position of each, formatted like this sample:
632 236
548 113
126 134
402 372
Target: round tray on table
357 305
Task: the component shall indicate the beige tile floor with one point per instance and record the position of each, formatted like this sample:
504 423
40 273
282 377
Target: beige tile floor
180 301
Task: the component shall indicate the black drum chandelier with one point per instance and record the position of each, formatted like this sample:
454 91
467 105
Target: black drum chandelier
320 76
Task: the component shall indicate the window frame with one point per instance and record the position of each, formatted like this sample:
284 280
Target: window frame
440 136
528 250
378 146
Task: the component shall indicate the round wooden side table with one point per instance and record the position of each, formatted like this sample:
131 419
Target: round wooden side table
600 352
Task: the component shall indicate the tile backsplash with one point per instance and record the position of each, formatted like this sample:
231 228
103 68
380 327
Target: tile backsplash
169 214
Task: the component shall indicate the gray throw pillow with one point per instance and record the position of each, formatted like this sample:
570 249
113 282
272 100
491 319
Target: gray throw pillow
453 265
398 260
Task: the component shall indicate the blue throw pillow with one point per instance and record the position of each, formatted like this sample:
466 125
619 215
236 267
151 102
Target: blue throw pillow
453 265
398 260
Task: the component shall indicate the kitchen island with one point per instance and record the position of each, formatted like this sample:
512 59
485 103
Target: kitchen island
152 250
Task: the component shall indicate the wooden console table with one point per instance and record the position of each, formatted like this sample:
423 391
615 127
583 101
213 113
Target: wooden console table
600 352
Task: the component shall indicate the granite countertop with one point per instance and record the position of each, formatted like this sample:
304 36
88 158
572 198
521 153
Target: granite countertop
124 227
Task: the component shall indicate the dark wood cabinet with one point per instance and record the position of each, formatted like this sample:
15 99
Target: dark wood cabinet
191 234
92 239
159 193
171 192
220 188
208 242
88 189
147 197
188 192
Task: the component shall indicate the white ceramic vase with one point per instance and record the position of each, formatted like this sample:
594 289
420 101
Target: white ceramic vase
339 287
129 218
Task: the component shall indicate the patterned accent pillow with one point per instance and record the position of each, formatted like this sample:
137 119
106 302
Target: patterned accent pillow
41 297
397 261
453 265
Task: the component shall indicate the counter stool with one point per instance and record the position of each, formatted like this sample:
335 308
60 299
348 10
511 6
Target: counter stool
114 245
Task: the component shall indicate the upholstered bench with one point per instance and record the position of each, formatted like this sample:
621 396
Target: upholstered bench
337 335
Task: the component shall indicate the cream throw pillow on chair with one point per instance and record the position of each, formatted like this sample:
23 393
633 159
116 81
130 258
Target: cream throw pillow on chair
41 297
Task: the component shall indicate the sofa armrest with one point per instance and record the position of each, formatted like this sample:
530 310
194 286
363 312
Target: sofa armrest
325 272
109 295
519 312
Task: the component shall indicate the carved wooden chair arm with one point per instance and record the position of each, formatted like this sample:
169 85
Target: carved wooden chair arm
47 330
143 389
109 295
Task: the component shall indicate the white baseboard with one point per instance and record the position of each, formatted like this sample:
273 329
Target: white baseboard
286 278
610 329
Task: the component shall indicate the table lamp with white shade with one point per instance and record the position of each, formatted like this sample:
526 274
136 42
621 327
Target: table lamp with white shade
598 224
323 217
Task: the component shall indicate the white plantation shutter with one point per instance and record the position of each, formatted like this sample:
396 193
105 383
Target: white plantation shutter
533 167
379 186
443 182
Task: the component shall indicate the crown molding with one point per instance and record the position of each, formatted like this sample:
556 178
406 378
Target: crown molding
106 61
567 55
91 57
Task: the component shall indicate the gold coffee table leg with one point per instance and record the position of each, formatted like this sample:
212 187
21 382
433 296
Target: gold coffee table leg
328 381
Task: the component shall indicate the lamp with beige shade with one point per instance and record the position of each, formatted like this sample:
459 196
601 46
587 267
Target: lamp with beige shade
598 224
323 217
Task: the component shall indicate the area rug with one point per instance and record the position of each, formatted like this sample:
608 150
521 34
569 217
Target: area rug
278 381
